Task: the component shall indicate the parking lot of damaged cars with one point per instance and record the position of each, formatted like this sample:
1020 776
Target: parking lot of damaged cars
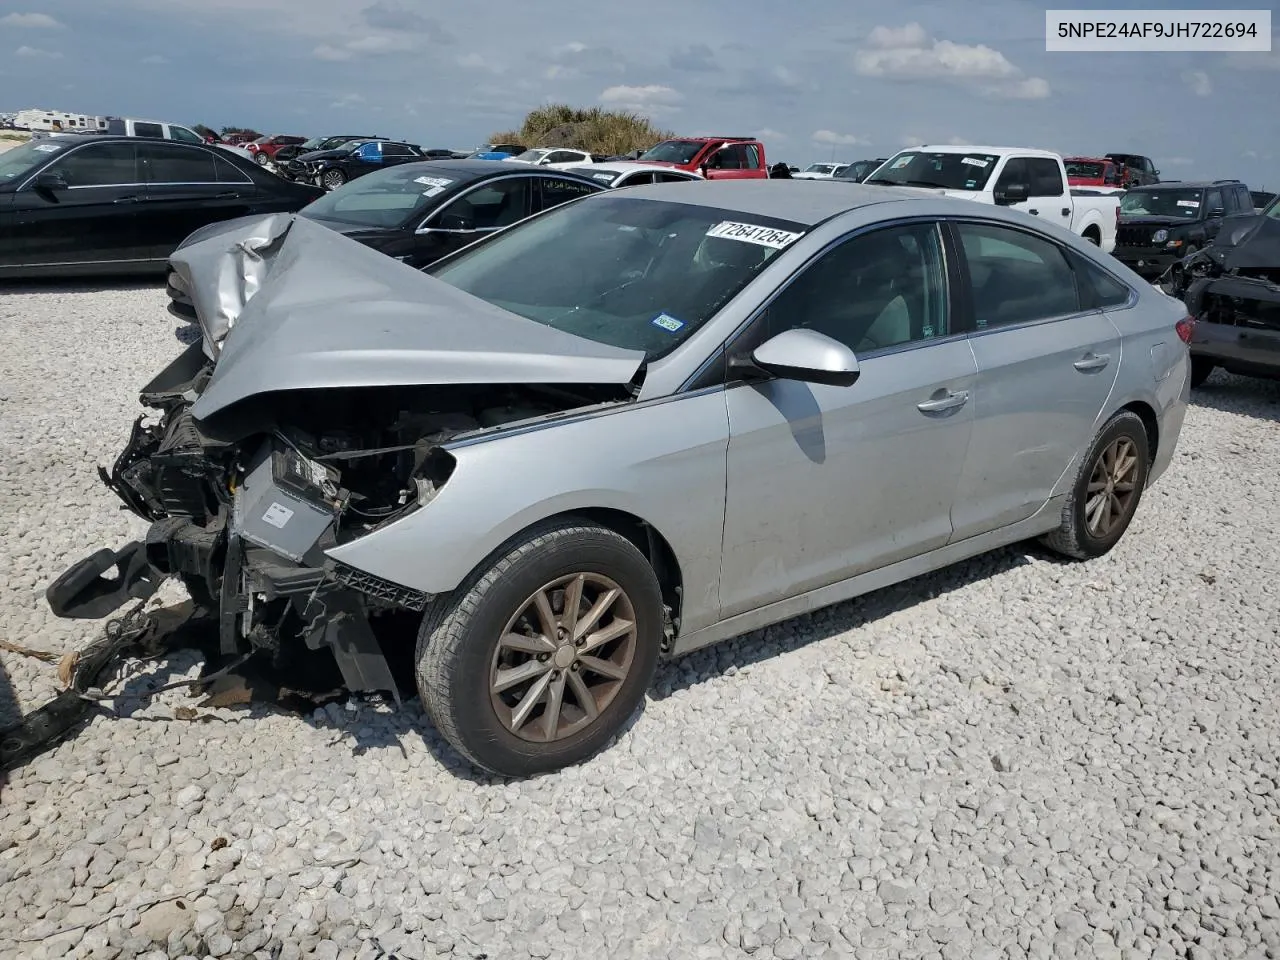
1011 755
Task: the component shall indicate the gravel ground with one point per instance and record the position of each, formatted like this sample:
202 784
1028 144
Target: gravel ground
1011 758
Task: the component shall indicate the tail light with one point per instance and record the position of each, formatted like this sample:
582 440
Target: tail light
1185 327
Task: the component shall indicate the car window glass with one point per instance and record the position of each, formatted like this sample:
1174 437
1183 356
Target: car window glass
1098 288
491 206
1016 277
185 135
395 150
169 163
667 178
148 130
752 153
99 165
556 191
877 290
228 172
1213 203
1046 178
1015 171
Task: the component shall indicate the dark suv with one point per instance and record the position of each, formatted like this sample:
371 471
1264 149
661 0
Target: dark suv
1163 223
1136 170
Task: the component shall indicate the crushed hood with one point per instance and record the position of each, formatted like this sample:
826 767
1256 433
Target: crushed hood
287 304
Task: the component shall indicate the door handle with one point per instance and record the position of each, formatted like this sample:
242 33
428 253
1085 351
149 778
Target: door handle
1095 361
230 195
126 200
1034 212
1066 211
950 402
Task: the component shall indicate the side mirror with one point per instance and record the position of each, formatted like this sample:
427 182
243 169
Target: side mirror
804 355
1013 193
51 183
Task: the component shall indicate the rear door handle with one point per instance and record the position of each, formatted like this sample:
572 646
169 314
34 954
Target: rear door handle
230 195
1094 361
950 402
127 200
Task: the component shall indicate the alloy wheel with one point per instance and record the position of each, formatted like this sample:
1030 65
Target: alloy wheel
561 660
1112 487
333 180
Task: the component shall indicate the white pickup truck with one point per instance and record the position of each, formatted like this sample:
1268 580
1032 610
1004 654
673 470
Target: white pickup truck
1034 181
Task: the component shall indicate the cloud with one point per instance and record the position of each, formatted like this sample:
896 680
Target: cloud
1178 161
155 59
37 53
652 98
1199 82
576 60
1257 59
698 58
831 138
908 53
30 21
477 61
770 134
347 100
384 15
914 141
326 52
1250 154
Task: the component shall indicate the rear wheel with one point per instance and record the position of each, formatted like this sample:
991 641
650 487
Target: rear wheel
1107 490
1201 370
539 659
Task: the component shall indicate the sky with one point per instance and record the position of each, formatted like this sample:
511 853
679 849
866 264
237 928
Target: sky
817 80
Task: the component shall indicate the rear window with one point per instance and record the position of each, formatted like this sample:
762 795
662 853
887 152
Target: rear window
1082 168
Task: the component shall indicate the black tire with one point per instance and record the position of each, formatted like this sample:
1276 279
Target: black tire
1201 369
458 640
1073 538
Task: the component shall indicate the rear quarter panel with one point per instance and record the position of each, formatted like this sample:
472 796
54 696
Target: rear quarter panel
662 461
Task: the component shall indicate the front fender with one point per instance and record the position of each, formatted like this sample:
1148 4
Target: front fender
661 461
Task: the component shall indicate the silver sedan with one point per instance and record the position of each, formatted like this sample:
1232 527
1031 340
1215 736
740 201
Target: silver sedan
629 427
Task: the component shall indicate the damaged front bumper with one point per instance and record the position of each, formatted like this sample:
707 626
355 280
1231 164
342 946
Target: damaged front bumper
246 529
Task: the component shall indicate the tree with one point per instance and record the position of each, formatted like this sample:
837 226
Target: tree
249 132
608 132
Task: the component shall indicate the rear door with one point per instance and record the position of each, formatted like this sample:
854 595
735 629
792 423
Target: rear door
93 220
397 153
187 188
553 191
1047 360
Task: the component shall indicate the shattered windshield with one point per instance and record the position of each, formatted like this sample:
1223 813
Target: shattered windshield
386 198
674 151
1184 204
952 171
22 160
631 273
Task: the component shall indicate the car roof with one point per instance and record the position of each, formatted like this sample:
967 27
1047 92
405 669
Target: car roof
627 166
807 202
1184 185
470 169
980 148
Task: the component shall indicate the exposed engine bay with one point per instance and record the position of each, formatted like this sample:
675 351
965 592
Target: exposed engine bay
243 507
1235 280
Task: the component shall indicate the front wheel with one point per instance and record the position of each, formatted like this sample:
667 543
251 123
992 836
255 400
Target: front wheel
333 179
539 659
1106 491
260 158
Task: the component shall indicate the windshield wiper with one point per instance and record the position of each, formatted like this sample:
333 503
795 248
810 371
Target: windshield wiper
880 180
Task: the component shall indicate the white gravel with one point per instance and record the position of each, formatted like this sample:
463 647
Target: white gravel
1011 758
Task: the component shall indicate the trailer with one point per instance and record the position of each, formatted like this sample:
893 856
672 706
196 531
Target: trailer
58 120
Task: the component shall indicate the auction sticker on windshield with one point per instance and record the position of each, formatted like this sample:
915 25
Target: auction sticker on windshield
437 185
753 233
667 322
1188 203
974 162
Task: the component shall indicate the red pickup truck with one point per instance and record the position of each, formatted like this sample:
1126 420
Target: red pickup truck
1094 172
716 158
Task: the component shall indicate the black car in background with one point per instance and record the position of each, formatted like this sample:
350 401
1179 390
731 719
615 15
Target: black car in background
352 160
1163 223
290 151
96 204
857 171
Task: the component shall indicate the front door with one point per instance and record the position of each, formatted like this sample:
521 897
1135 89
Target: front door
480 210
735 161
825 482
1047 361
1048 197
91 218
187 188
